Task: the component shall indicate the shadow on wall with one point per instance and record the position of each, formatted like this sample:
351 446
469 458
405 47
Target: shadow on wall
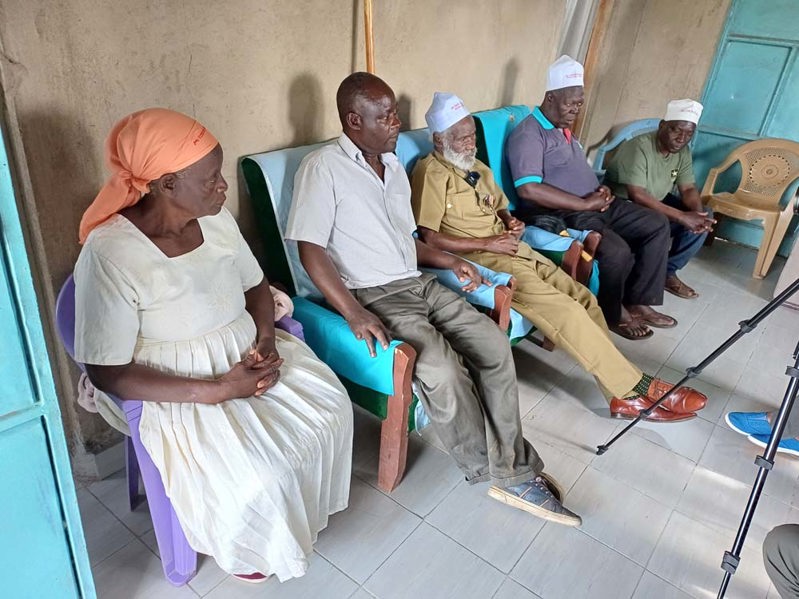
305 106
404 105
507 90
66 171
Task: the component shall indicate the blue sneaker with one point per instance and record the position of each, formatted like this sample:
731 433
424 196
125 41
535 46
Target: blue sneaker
789 446
538 498
748 423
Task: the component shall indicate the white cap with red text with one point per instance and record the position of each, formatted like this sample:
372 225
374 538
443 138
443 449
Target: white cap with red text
683 110
446 110
564 72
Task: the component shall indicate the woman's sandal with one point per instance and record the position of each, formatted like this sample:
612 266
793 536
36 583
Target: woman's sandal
628 330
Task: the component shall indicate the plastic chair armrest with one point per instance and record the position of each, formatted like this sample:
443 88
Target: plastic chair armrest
330 337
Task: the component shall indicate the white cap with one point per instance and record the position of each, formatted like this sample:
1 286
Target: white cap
564 72
446 110
683 110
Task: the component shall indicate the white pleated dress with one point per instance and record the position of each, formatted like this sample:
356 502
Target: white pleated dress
252 480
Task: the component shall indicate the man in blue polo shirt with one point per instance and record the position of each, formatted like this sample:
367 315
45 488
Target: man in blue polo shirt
553 178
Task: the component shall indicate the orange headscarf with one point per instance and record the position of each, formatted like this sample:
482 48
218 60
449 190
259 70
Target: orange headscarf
143 147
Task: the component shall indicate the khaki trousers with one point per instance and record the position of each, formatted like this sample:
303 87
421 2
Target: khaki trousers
465 376
568 314
781 558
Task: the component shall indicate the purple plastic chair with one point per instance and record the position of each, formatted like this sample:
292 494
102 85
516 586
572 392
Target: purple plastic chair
179 560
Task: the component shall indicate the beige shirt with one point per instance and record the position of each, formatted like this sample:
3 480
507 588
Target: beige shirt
365 224
445 202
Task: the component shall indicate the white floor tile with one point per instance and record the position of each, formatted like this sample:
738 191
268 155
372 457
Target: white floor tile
494 531
617 515
321 580
429 564
652 587
113 494
689 555
360 538
647 467
134 572
719 501
687 439
730 454
569 427
513 590
209 575
103 532
430 475
563 562
362 594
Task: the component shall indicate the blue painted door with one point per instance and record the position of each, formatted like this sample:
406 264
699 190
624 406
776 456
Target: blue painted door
42 550
751 93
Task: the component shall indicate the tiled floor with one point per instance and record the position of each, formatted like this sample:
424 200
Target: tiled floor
659 509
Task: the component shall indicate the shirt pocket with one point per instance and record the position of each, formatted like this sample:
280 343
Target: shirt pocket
463 206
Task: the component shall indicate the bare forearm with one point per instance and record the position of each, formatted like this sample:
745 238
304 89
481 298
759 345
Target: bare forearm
135 381
450 243
327 279
261 306
642 197
547 196
690 197
434 258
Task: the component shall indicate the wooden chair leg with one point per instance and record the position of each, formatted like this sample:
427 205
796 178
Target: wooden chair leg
501 312
394 432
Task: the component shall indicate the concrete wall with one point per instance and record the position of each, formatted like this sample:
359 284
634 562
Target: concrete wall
261 74
654 51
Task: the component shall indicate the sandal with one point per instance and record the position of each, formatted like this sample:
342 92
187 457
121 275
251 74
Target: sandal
653 318
631 330
680 289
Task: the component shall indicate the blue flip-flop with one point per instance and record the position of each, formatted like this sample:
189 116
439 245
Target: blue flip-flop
748 423
789 446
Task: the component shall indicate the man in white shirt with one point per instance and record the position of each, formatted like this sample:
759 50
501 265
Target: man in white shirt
351 216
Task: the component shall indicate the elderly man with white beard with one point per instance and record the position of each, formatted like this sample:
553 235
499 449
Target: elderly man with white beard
460 209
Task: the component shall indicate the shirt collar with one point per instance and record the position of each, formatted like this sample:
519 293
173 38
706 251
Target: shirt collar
542 120
351 150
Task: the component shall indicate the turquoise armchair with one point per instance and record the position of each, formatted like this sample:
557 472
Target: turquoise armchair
381 385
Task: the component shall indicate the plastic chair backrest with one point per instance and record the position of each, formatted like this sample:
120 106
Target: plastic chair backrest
269 177
627 132
768 167
412 145
493 129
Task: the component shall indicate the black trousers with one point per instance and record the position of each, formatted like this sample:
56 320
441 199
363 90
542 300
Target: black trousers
632 254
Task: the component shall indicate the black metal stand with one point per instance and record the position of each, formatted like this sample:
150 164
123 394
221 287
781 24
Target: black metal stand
744 327
765 463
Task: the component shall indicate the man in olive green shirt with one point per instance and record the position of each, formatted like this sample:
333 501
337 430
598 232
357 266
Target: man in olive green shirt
645 170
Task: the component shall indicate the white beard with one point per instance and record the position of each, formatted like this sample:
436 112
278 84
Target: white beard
464 160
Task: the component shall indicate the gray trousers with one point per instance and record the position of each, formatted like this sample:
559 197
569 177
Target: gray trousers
781 558
465 375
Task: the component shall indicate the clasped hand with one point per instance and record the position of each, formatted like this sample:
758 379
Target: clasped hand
600 200
257 372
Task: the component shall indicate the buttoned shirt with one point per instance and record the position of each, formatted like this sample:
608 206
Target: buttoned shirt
444 201
364 223
538 152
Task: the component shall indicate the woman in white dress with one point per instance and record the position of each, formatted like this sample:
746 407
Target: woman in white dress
251 433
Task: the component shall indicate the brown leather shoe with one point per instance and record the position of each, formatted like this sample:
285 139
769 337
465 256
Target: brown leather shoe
683 401
628 409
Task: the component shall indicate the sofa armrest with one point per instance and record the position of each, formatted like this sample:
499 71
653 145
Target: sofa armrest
484 295
331 339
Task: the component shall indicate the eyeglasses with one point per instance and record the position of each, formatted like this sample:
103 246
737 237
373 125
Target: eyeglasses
472 177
